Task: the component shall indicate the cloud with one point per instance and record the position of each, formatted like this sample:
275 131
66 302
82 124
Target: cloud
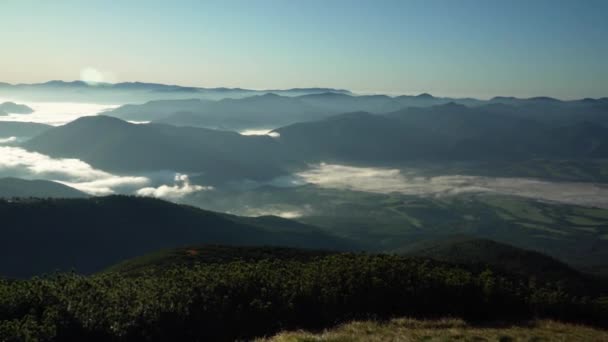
409 182
8 140
57 113
17 162
267 132
181 188
288 214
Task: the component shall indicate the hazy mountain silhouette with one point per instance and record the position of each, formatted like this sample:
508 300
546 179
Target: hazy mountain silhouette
271 110
129 92
112 144
261 111
14 108
445 132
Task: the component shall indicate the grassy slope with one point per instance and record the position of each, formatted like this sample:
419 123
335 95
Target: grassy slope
446 330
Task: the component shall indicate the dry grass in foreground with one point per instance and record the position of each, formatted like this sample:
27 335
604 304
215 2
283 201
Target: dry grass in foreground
447 330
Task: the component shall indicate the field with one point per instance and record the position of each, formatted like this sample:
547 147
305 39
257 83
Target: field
392 222
446 330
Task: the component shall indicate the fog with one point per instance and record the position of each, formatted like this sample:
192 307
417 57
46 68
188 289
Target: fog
8 140
17 162
410 182
55 113
270 211
181 188
268 132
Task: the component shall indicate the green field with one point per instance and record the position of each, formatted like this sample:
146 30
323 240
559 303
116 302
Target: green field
389 222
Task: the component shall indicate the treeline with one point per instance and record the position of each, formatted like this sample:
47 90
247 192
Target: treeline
241 300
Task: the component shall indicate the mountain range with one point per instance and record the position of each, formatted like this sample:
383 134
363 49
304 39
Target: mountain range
448 132
444 133
115 145
128 92
272 111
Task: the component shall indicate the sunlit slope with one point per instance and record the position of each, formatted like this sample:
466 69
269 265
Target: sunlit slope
410 330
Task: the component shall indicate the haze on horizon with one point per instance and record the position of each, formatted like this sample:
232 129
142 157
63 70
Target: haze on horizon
447 48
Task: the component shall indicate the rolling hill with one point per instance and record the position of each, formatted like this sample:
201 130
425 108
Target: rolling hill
88 235
464 250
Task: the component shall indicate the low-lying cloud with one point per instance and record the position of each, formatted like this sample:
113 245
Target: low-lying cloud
181 188
267 132
56 113
17 162
8 140
386 180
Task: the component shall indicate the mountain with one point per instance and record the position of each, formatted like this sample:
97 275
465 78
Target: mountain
155 110
272 110
259 111
15 187
88 235
14 108
448 132
342 103
112 144
21 129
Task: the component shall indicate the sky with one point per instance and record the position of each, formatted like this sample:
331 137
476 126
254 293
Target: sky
447 48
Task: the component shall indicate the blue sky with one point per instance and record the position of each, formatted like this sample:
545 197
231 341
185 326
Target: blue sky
455 48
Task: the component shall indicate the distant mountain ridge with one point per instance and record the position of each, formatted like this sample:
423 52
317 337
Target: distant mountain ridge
446 132
128 92
273 110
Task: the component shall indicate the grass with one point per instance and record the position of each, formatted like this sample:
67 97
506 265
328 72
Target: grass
519 208
584 221
405 329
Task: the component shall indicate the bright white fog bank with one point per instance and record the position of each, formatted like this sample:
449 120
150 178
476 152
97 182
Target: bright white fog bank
268 132
384 180
17 162
55 113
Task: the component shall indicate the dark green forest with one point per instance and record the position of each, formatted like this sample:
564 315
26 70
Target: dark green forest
265 291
